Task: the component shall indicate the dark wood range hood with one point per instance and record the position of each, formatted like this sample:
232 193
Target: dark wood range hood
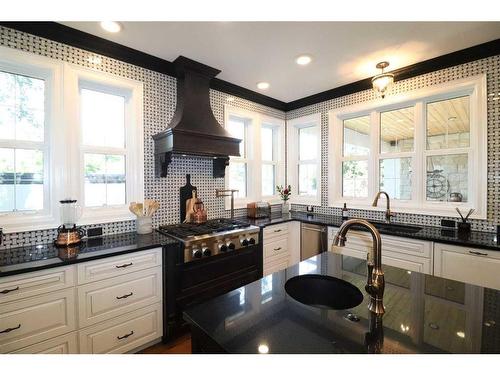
194 130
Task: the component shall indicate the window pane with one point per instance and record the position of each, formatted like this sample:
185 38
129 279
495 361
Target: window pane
356 136
355 179
29 179
103 119
268 180
104 179
268 135
308 179
397 130
22 102
7 195
395 177
115 179
447 177
448 123
238 178
236 127
308 143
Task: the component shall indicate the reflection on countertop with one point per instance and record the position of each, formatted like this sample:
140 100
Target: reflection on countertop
36 257
424 314
482 240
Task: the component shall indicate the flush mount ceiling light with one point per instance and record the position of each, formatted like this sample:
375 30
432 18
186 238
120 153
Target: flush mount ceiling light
263 85
382 81
111 26
303 59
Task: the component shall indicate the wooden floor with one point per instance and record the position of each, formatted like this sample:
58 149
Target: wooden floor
181 345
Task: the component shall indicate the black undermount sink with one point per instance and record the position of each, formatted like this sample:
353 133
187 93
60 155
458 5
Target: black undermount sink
324 292
390 227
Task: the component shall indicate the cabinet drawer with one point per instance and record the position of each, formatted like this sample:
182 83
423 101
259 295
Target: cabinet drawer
474 266
123 334
276 248
275 266
36 319
276 230
35 283
119 265
109 298
65 344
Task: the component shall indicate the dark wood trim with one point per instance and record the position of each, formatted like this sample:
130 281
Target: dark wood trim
79 39
76 38
463 56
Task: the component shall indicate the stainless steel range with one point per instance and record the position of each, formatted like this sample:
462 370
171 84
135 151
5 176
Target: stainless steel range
210 259
218 236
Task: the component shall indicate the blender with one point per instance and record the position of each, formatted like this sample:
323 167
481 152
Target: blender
68 234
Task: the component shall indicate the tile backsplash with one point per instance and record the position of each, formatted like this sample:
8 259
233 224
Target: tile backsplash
159 106
489 66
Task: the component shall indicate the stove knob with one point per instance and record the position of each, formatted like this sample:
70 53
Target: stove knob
251 241
231 246
222 247
197 253
206 251
244 242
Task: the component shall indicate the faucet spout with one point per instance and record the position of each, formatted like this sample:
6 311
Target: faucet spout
375 284
388 213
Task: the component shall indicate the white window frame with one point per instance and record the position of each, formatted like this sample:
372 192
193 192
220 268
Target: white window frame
253 159
475 88
23 63
293 127
78 78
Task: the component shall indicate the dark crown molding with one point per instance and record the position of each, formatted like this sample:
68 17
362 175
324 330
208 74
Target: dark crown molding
76 38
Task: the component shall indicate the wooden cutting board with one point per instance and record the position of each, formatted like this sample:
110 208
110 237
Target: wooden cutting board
185 193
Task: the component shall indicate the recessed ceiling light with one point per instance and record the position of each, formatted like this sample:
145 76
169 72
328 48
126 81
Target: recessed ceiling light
263 349
111 26
303 59
263 85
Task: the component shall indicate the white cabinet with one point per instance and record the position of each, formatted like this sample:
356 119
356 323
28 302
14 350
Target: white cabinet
470 265
410 254
281 246
54 311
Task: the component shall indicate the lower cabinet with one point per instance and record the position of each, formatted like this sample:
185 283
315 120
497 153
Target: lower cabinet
123 334
118 313
65 344
281 246
470 265
409 254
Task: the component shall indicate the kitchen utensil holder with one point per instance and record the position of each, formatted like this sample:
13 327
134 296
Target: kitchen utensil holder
463 227
144 224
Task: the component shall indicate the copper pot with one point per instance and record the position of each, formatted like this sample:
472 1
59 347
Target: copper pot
199 215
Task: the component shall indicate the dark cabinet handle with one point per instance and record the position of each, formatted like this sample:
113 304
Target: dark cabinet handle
11 329
5 291
277 230
125 336
277 249
124 265
125 295
478 253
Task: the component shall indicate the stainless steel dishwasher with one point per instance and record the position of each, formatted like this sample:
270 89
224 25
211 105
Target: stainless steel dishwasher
313 240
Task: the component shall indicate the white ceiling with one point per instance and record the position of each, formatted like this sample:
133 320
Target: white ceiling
343 52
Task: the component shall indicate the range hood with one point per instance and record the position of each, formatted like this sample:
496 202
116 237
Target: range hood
194 129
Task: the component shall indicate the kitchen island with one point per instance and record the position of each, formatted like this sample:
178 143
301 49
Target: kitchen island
424 314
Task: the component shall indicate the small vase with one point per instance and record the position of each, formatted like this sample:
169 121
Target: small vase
285 208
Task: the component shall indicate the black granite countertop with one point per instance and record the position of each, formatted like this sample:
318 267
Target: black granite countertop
481 240
36 257
424 314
